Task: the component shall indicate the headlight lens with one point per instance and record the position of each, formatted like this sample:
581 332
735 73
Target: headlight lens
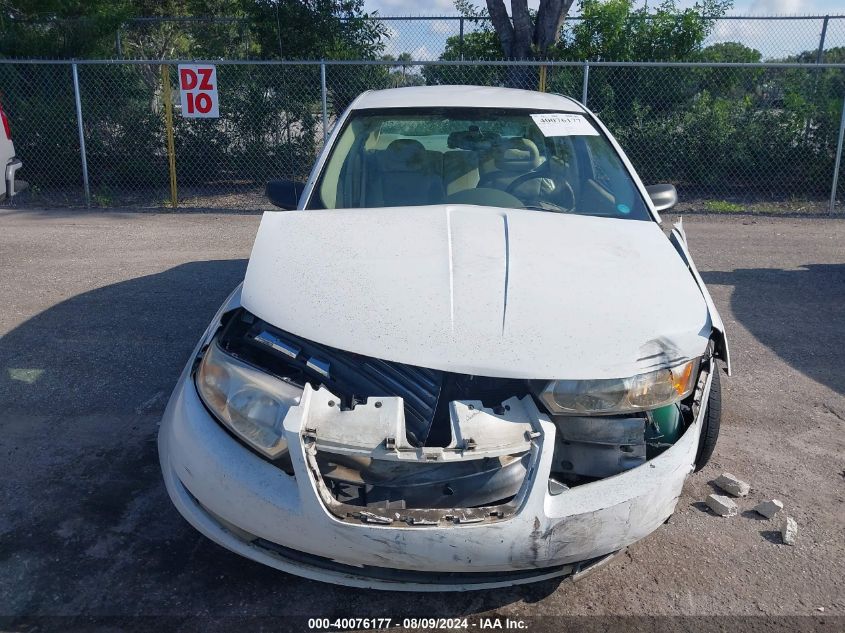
251 403
620 395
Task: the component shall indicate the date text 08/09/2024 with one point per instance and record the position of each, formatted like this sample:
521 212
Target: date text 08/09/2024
344 624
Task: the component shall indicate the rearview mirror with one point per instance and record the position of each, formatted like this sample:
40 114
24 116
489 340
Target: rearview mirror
663 197
284 193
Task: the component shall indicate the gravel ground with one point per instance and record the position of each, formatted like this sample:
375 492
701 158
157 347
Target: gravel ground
100 311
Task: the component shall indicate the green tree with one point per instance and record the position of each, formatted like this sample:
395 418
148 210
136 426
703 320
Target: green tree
615 30
270 115
609 30
403 73
729 81
732 52
60 28
481 44
287 29
313 29
526 34
814 94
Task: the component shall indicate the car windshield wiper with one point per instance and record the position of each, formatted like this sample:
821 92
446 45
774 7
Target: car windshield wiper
552 207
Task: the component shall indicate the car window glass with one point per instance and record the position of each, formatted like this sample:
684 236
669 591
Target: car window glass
490 157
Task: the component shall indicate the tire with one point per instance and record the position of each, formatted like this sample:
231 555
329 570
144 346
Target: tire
711 422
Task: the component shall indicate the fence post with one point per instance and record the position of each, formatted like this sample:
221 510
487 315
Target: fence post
81 135
279 32
820 53
117 42
168 121
585 84
461 38
324 101
838 161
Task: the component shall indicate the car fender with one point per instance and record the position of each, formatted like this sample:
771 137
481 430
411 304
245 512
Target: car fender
679 240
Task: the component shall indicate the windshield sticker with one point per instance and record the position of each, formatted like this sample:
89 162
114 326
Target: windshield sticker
564 125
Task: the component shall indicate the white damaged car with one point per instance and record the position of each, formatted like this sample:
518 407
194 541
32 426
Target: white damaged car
468 356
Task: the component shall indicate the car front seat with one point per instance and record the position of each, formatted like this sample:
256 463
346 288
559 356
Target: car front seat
512 157
406 176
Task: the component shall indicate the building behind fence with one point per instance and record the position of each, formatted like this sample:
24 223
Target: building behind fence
730 136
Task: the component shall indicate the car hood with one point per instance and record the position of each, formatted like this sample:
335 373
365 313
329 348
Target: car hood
477 290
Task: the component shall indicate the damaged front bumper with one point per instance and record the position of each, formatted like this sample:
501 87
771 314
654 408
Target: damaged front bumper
296 524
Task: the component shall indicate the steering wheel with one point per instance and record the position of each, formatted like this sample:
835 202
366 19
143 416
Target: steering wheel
543 173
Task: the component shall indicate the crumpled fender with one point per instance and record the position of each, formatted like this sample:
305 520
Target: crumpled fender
679 240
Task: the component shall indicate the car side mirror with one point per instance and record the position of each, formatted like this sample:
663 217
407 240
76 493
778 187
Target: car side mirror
284 193
663 197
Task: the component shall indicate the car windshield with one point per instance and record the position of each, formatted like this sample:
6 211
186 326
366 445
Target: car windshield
513 158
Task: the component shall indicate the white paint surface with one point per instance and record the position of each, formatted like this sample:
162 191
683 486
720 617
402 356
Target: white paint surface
493 292
464 97
511 293
202 464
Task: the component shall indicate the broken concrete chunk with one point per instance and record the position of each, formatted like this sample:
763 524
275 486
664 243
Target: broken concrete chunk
789 531
722 505
732 485
769 508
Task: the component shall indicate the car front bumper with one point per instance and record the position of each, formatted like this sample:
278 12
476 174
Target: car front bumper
250 506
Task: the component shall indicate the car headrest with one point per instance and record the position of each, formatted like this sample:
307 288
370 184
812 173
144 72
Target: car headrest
404 154
516 154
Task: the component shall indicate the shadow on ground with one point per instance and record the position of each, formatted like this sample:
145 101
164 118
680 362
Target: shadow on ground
115 349
87 527
799 314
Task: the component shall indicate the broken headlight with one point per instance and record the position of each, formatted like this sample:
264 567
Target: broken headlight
619 395
249 402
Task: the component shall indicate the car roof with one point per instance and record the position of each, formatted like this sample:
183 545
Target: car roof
464 96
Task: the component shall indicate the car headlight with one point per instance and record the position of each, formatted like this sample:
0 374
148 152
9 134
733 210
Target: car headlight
620 395
251 403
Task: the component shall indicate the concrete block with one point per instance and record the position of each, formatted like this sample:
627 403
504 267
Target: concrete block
732 485
722 505
789 531
769 508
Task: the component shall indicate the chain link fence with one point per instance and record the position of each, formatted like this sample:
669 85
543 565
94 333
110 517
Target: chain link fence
731 137
424 38
775 37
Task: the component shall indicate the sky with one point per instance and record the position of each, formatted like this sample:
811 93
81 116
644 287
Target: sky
741 7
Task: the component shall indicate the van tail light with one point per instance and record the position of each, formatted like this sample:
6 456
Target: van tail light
5 123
